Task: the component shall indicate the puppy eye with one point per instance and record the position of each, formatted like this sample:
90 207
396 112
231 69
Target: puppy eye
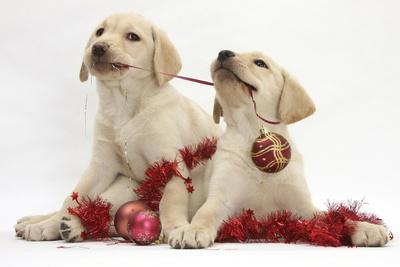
99 32
132 36
260 63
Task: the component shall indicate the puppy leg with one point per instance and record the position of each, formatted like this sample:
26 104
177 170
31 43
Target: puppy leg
297 199
174 206
227 193
119 192
365 234
95 180
202 231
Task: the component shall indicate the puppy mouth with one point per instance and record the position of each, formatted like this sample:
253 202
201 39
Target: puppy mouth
249 86
118 66
104 66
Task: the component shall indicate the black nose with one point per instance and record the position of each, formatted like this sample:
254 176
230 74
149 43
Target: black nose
99 49
225 54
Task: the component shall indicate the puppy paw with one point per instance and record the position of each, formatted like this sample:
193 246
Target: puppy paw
189 236
369 235
44 230
71 229
167 229
29 218
24 221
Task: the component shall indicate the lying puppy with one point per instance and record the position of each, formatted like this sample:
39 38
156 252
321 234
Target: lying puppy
235 183
141 119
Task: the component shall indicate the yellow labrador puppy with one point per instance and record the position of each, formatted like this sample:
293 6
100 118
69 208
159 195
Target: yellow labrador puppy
141 119
235 183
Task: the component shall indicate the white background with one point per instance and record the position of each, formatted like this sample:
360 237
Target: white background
345 53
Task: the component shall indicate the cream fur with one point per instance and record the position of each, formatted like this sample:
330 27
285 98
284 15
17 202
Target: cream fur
141 110
234 181
294 104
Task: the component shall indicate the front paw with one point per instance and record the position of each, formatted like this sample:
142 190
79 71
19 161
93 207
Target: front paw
44 230
189 236
71 229
23 222
369 235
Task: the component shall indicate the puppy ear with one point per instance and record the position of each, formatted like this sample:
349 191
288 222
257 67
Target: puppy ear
217 111
84 73
295 104
166 57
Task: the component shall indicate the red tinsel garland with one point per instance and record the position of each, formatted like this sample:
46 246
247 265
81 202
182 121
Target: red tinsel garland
329 229
161 172
94 216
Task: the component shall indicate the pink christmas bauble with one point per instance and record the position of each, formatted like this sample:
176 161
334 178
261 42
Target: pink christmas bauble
144 227
124 213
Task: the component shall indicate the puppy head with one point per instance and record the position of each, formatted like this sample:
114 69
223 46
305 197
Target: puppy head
277 94
130 39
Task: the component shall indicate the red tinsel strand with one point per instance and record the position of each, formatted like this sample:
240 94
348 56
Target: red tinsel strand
206 149
189 157
94 216
333 228
276 227
193 156
233 230
161 172
352 210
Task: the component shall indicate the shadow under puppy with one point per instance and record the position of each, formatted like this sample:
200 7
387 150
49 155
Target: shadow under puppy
235 182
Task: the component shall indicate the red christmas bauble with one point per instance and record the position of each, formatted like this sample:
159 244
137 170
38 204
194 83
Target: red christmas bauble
271 152
124 213
144 227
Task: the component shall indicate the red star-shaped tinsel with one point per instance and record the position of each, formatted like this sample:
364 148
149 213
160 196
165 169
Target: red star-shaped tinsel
74 196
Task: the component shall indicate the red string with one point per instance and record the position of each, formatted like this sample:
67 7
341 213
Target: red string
255 110
168 74
197 81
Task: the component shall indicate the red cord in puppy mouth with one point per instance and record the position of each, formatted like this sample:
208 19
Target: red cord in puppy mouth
119 65
251 88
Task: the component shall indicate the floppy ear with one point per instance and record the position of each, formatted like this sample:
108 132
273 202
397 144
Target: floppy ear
295 104
84 73
217 111
166 57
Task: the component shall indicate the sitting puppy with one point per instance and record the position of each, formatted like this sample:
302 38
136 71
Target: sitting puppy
235 182
141 119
